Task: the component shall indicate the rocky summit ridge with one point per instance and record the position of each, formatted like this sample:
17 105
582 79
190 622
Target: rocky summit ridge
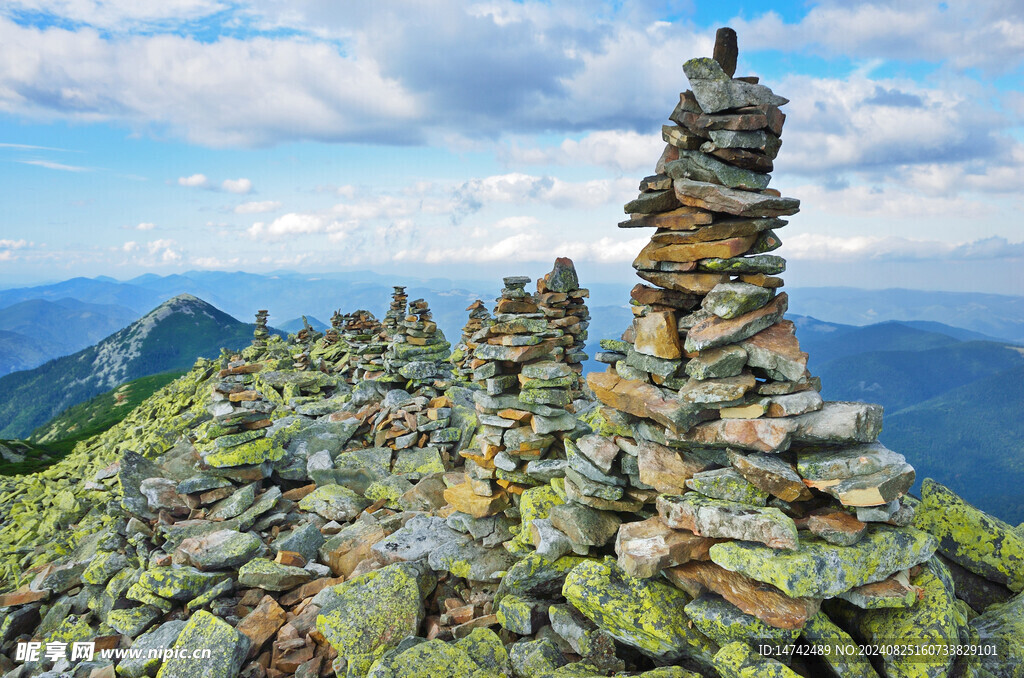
366 501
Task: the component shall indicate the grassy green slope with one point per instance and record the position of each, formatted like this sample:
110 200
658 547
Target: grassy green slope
970 438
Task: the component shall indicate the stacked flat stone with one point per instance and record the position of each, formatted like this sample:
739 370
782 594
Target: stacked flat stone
260 333
396 312
525 390
366 341
417 354
241 415
562 301
765 495
462 355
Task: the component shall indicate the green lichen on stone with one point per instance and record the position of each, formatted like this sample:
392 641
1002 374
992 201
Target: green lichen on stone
728 484
431 659
104 565
883 551
642 613
372 613
535 576
134 620
255 452
517 614
1000 626
936 620
534 503
271 576
820 631
484 647
978 542
738 660
334 502
724 623
179 583
205 631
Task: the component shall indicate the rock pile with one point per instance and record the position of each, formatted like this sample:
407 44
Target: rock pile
462 355
260 334
519 362
366 341
417 354
396 312
562 301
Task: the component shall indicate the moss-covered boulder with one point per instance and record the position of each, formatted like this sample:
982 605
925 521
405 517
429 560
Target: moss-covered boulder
642 613
204 631
179 583
372 613
252 452
980 543
818 569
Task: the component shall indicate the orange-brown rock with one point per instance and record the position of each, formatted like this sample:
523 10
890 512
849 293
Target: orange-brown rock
655 296
761 600
290 558
298 493
251 368
715 331
242 396
309 590
353 550
656 334
461 497
776 348
261 624
648 546
762 435
642 400
762 280
681 219
691 283
722 249
896 591
22 596
836 527
666 469
720 230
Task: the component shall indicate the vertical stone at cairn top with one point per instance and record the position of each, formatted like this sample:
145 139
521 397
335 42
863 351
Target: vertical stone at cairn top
562 301
396 312
765 494
260 333
479 317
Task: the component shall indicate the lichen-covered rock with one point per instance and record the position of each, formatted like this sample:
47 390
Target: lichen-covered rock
431 659
641 613
738 660
133 620
980 543
471 560
221 549
821 631
162 637
728 519
372 613
724 623
204 631
937 619
271 576
882 551
179 583
1002 627
334 502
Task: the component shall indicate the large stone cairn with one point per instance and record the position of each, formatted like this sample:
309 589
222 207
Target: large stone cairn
417 354
260 333
519 363
462 355
765 495
562 301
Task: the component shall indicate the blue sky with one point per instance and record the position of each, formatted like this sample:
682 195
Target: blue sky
472 139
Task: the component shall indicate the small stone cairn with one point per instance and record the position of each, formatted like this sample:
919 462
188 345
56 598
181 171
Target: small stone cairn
395 314
479 317
260 333
418 352
562 301
526 385
364 335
